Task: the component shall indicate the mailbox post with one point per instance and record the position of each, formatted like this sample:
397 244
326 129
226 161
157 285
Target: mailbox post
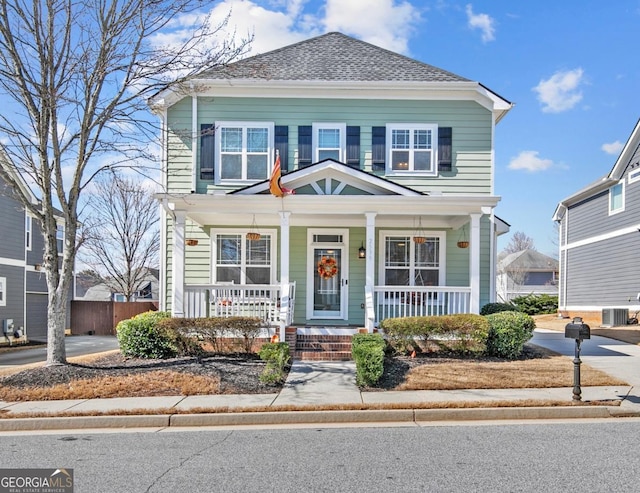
579 331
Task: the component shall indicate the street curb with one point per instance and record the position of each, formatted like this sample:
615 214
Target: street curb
313 417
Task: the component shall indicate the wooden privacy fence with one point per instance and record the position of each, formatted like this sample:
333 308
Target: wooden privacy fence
101 317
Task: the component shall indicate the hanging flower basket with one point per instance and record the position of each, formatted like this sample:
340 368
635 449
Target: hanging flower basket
420 239
327 267
463 244
252 236
191 242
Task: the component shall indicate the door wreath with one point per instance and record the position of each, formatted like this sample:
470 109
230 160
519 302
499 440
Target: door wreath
327 267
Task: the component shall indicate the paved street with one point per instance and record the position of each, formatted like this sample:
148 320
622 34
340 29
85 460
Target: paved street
567 456
76 346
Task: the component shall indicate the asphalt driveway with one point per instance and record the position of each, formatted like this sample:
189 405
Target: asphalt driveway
76 346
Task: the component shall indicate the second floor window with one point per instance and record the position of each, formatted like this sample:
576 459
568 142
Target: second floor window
60 238
244 151
616 198
329 141
27 232
412 148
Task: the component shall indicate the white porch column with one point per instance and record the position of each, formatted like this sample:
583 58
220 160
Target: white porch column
370 273
285 298
474 263
177 282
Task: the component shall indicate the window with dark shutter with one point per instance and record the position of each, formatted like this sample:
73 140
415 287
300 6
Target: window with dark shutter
207 149
378 148
445 140
282 145
353 147
304 145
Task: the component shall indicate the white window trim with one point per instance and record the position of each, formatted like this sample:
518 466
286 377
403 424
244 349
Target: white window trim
621 208
441 235
343 139
634 175
28 232
411 127
214 232
3 290
270 126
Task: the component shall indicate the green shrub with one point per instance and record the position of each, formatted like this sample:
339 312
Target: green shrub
461 332
537 304
277 357
490 308
368 353
215 330
508 332
140 337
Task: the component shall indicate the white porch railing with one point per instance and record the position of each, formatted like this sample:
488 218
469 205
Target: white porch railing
239 300
417 301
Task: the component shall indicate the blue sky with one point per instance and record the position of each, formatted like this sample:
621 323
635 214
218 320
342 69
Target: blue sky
571 68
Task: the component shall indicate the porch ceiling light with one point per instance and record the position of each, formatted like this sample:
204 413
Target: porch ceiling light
254 232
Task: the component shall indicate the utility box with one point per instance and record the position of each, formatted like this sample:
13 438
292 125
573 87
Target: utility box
7 326
577 330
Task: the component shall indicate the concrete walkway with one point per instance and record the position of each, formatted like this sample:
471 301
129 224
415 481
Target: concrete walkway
333 383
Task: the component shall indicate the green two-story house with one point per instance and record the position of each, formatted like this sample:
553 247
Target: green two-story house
385 204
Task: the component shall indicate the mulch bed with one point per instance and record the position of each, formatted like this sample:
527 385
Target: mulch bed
238 373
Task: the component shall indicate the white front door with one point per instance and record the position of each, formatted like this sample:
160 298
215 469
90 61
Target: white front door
327 274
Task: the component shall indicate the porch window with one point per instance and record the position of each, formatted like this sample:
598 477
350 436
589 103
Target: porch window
412 148
241 261
244 150
329 141
407 263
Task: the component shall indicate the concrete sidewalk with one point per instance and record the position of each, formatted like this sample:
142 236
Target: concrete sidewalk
333 384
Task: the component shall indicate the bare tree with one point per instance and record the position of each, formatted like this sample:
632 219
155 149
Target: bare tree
519 241
122 239
75 76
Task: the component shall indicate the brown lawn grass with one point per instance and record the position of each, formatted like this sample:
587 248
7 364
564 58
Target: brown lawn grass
551 371
153 383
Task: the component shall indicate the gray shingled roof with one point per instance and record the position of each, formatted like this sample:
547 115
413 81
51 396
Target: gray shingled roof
332 56
530 260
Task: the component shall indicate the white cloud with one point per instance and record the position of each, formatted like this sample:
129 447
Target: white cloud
484 22
561 91
529 161
613 147
389 24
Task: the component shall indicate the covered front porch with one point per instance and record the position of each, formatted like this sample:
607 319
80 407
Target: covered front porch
299 247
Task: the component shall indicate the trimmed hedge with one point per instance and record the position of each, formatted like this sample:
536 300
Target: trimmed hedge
140 337
461 332
368 353
490 308
277 357
537 304
508 332
216 330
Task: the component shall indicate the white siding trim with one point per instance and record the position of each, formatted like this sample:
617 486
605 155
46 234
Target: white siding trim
602 237
13 262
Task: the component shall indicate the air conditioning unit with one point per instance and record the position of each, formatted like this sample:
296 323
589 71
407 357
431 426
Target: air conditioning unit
612 317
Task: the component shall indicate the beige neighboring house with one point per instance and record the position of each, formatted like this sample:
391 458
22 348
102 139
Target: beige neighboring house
526 272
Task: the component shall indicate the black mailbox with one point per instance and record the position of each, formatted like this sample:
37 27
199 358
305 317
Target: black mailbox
577 330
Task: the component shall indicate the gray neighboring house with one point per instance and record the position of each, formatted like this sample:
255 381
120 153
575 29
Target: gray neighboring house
88 288
599 229
526 272
23 288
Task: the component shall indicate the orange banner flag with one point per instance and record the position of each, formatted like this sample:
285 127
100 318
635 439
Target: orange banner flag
275 187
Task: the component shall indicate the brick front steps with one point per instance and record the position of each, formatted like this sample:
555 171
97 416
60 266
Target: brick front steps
319 347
